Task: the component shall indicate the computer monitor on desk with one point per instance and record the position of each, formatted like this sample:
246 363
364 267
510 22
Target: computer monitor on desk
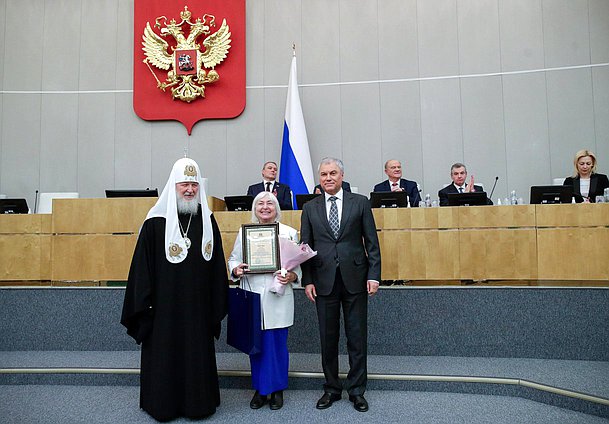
132 193
551 194
388 199
12 206
239 203
475 198
301 199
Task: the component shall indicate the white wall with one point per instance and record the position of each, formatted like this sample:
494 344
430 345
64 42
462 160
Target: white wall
67 122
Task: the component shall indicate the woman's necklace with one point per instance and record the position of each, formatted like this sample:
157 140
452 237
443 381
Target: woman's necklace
185 233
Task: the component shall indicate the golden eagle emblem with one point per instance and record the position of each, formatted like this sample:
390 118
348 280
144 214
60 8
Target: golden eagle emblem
189 67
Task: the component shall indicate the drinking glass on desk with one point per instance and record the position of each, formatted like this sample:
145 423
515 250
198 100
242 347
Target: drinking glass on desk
600 199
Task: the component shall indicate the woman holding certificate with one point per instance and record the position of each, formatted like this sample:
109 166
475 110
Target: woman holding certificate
270 366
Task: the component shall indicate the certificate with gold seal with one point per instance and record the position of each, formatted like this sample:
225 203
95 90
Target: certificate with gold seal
261 247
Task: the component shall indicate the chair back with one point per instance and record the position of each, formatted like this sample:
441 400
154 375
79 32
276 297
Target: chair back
45 200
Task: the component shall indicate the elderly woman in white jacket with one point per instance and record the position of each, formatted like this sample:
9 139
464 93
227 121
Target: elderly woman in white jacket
269 367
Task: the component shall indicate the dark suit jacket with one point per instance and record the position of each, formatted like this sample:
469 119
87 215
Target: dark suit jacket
598 183
345 186
356 250
282 192
443 194
410 187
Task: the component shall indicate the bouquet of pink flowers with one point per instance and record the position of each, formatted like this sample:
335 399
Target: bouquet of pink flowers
292 254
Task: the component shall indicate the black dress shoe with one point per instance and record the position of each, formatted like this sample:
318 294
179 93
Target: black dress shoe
257 401
327 400
359 403
276 401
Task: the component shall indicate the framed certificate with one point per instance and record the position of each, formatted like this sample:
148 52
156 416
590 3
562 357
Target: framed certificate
261 247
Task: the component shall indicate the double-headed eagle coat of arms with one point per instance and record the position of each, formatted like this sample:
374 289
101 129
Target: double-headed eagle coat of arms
189 67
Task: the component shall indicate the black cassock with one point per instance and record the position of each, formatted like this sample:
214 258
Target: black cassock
174 311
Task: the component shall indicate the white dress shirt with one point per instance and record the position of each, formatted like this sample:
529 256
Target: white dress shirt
584 186
460 187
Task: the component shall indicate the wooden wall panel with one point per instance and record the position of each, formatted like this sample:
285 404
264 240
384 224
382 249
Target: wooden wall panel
499 217
435 254
100 216
392 218
25 247
92 257
25 224
25 256
506 254
573 253
433 218
568 215
232 221
93 240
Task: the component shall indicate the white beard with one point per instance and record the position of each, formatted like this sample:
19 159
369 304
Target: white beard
187 206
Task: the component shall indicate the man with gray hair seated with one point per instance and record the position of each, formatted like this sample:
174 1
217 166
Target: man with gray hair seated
395 182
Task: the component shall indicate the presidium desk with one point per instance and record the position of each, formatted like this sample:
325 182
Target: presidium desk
91 241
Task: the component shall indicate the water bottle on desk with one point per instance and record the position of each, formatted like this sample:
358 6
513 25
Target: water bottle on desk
428 200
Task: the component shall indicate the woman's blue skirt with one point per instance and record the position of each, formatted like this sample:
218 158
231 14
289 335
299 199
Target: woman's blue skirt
270 367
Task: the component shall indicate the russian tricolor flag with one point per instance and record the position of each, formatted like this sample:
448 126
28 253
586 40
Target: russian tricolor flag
295 168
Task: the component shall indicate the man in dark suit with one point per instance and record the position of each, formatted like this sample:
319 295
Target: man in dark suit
340 226
282 192
395 182
345 185
458 173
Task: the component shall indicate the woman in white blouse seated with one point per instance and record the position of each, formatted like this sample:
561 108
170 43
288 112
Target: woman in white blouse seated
269 367
586 183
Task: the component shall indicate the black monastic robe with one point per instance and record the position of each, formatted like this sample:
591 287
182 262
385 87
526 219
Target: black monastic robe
174 311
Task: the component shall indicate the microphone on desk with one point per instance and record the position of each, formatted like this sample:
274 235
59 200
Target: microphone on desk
494 185
36 202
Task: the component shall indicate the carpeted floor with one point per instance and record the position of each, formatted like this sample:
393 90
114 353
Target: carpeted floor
23 404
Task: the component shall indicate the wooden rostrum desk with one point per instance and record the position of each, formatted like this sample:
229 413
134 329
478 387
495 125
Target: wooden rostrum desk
91 241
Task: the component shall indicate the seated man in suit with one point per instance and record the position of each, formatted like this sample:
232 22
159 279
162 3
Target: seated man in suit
458 173
393 169
282 192
345 186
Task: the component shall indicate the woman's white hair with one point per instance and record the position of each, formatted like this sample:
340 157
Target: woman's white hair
261 196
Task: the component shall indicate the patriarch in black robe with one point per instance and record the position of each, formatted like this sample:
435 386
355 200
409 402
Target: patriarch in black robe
175 299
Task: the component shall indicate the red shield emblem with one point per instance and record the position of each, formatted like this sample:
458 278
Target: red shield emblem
189 61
